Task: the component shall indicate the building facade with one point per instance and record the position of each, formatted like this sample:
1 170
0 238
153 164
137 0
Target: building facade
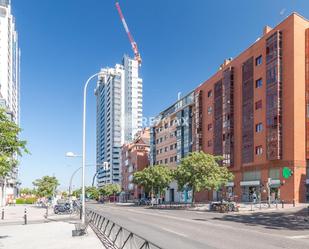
119 116
9 84
254 111
258 118
135 157
171 138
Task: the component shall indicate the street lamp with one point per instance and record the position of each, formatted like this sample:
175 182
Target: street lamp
84 146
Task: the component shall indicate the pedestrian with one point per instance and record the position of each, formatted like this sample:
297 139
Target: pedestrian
254 197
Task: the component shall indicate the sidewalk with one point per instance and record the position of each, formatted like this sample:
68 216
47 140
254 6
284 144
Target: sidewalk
52 233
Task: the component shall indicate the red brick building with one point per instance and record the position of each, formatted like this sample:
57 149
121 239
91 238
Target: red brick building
254 111
134 158
260 113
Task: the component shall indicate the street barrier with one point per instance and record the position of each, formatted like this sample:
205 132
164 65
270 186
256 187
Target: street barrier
114 235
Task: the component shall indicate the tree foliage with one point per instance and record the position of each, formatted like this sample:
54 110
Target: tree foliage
92 193
110 189
46 186
154 179
10 144
27 191
200 171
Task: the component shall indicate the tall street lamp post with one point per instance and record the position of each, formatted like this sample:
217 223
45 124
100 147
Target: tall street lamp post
84 146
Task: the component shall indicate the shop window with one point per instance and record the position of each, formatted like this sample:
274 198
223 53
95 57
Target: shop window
252 175
274 174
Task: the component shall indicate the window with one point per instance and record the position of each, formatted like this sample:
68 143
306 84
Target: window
259 127
171 147
209 94
160 150
258 83
171 159
258 60
258 105
209 110
259 150
165 149
175 146
166 160
175 158
209 143
166 126
209 127
157 151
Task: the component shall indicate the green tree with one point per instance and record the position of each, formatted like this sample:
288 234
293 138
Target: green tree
46 186
199 171
10 144
110 189
27 191
92 193
77 192
154 179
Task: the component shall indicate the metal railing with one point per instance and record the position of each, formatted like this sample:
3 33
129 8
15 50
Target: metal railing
115 236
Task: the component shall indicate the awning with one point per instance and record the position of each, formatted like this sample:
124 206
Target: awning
230 184
250 183
274 182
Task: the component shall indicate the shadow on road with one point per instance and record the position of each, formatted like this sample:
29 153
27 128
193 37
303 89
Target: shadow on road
273 220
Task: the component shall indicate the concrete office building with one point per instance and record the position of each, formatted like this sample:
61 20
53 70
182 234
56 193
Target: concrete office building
9 84
119 116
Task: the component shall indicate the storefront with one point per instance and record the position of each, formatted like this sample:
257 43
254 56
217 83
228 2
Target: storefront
307 190
274 188
250 191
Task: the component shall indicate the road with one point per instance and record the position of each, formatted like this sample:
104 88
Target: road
181 229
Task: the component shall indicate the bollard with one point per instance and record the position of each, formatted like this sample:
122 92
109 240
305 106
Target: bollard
282 203
276 205
2 215
80 212
293 203
46 215
25 217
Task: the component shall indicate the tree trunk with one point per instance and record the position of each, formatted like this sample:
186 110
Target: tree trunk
193 197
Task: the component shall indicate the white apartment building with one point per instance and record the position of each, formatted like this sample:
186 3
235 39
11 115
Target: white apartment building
119 116
9 84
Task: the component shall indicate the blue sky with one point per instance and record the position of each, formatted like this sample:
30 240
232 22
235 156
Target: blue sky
182 43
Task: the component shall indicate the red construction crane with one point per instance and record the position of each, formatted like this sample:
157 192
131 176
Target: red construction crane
137 55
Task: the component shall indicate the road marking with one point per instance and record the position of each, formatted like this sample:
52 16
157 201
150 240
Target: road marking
171 231
298 237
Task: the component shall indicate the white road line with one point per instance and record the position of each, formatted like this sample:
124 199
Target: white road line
171 231
299 236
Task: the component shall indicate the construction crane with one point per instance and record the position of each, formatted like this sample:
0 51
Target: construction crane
137 55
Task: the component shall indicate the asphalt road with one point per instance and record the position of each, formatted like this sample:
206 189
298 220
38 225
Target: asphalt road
180 229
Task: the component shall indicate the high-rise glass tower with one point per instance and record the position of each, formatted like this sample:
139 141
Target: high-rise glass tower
119 115
9 84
